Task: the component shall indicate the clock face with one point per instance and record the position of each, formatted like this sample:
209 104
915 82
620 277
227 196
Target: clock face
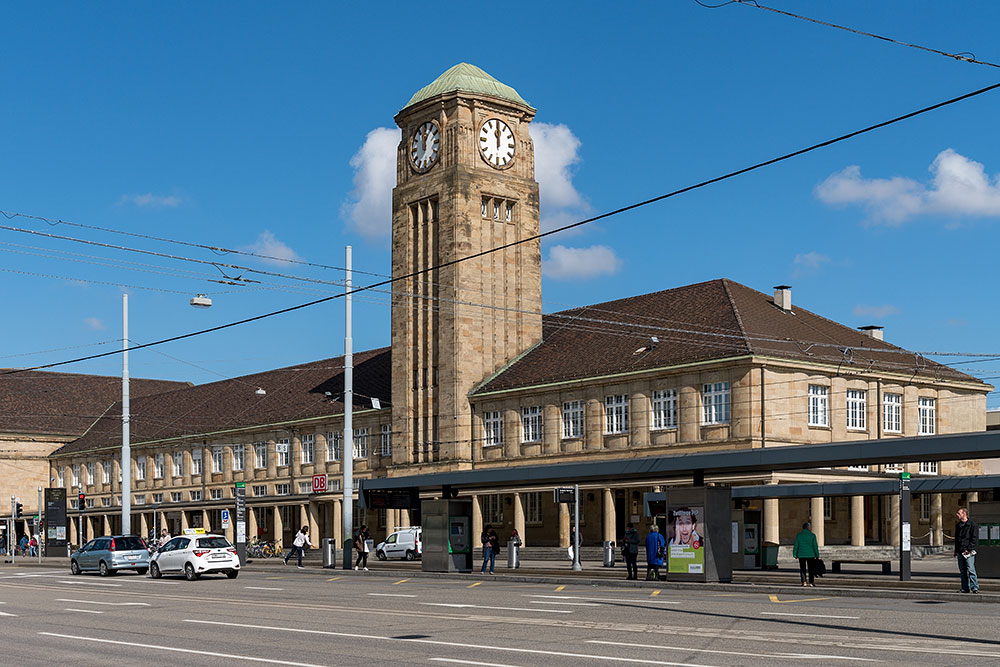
425 145
496 143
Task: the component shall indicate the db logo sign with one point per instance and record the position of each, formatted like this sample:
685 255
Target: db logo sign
319 483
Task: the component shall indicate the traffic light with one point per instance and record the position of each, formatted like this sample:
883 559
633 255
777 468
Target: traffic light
18 510
82 497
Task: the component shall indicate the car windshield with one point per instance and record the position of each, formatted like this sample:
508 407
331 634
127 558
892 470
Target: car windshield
213 543
128 544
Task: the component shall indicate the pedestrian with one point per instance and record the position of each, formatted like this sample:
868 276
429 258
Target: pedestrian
164 537
573 544
966 541
630 550
361 544
655 545
299 544
33 546
806 549
23 545
491 547
515 538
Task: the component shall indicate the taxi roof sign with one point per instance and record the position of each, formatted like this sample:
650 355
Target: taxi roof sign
194 531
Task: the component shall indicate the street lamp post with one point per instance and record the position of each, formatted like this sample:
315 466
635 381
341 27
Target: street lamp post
126 448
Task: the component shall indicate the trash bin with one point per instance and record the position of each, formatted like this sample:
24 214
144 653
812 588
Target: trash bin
609 553
329 546
513 554
770 556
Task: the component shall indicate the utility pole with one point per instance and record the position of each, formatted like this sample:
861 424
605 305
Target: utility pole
38 526
126 449
576 527
347 453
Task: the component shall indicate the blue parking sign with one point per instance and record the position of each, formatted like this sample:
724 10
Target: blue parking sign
225 515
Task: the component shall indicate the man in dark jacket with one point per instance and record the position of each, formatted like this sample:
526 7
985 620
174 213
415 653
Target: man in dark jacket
630 550
966 541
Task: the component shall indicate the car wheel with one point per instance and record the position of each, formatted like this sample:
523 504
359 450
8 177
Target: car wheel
74 567
104 569
410 555
232 574
140 570
380 555
154 570
189 572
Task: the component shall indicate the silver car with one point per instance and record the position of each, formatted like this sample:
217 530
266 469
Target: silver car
110 555
195 555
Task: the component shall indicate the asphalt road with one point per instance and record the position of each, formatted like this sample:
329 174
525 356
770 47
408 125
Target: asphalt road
286 616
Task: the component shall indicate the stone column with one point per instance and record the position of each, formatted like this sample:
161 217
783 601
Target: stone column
894 520
184 521
519 517
593 427
205 522
404 518
74 532
230 531
564 525
511 434
227 463
107 525
689 417
163 523
639 420
143 526
251 523
609 515
313 521
937 521
338 523
816 517
857 521
477 520
88 529
391 521
771 530
295 456
272 459
279 527
551 430
186 466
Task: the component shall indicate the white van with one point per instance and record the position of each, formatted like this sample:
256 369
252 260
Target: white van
404 543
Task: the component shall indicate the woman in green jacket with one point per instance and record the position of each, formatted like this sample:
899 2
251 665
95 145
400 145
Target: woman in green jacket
806 549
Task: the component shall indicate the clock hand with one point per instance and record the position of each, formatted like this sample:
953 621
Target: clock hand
497 133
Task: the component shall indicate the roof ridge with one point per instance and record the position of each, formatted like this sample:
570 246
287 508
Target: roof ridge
736 313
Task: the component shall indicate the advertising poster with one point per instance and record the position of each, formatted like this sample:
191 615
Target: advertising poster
685 544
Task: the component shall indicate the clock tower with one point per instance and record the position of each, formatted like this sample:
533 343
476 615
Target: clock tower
465 184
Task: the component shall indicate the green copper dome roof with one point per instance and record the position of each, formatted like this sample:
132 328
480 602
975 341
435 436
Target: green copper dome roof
469 79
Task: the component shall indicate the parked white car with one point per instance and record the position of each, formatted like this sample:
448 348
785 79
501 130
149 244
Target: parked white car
195 555
403 544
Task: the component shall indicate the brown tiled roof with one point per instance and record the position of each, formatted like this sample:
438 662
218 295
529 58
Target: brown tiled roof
701 322
63 404
293 393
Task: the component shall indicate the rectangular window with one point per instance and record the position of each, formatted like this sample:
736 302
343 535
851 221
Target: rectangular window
492 429
361 443
892 413
665 409
91 467
281 450
827 508
858 468
819 405
309 449
178 464
105 502
572 419
305 487
493 508
158 466
175 496
76 474
217 458
62 477
195 496
140 468
382 517
715 403
486 206
925 506
533 507
496 209
928 467
857 401
259 490
139 500
216 494
197 467
386 440
106 469
260 455
927 412
616 414
509 207
157 498
892 467
333 442
531 424
239 457
281 490
90 502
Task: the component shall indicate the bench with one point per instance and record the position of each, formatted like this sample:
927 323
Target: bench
886 564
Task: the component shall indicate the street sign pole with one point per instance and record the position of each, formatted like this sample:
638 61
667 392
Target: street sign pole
904 526
576 527
240 493
38 526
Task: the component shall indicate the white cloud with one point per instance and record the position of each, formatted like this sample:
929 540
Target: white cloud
267 244
557 152
877 312
958 186
573 263
369 209
94 323
810 260
149 200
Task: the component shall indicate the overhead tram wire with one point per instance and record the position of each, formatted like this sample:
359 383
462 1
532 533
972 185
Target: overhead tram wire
541 235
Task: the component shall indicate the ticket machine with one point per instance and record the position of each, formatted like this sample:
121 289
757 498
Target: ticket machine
448 539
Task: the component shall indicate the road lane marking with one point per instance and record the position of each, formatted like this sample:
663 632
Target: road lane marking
3 613
455 605
273 578
471 586
264 588
559 588
401 581
436 642
85 611
593 599
570 604
778 613
774 599
114 604
654 593
469 662
182 650
334 578
393 595
90 583
809 656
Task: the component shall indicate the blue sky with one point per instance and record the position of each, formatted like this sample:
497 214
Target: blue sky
262 126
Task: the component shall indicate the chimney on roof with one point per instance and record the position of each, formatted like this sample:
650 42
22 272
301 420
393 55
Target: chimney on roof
872 330
783 297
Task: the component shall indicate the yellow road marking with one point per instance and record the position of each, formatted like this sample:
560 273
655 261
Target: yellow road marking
474 585
272 578
397 583
656 592
334 578
559 588
774 598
